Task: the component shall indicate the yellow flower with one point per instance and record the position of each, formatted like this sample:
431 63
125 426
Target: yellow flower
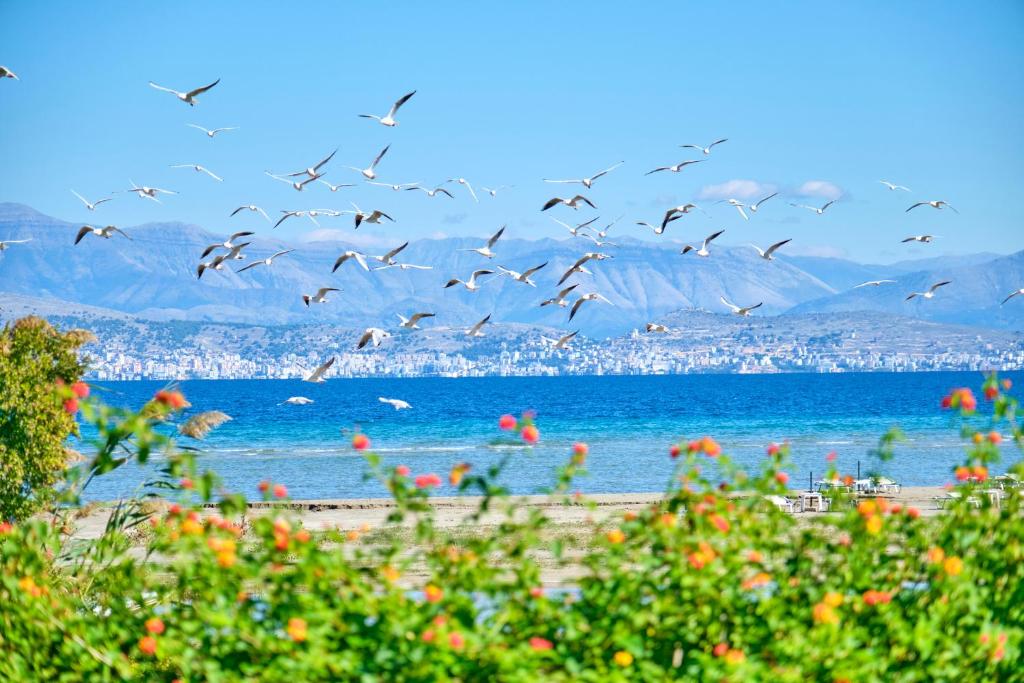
873 524
623 658
616 536
833 599
735 656
936 555
226 558
390 574
825 614
296 629
953 566
191 526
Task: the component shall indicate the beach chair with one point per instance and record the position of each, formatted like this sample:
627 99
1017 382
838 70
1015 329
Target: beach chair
784 504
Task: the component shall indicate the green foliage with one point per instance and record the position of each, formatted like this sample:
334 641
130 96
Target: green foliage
34 424
710 583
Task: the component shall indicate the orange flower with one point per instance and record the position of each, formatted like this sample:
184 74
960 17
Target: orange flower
623 658
360 442
977 438
833 599
302 536
540 644
296 629
913 512
953 566
755 556
6 528
280 491
226 558
735 656
710 447
866 508
155 625
873 525
390 574
530 434
756 581
428 636
191 526
616 536
980 473
459 471
995 437
172 399
825 614
147 645
721 523
962 473
668 520
873 597
433 593
28 585
782 478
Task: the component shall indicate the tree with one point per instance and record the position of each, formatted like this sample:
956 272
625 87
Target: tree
38 368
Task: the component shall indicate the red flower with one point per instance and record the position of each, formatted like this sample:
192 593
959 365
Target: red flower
991 391
360 442
710 447
80 389
536 592
6 528
264 486
962 473
720 649
172 399
507 422
580 449
147 645
995 437
530 434
540 644
873 598
402 471
428 636
675 450
155 625
782 478
425 481
773 449
456 640
831 457
71 406
280 491
946 402
186 483
721 523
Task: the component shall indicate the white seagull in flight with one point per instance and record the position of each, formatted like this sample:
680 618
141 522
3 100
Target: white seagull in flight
676 168
91 205
470 284
334 188
1019 292
229 243
766 254
5 244
575 231
935 204
211 132
893 186
560 298
320 297
7 73
931 291
560 343
578 266
148 192
372 217
297 185
388 259
485 250
410 322
189 97
265 262
588 182
106 232
374 335
389 118
370 171
925 239
523 276
705 150
740 310
251 207
312 171
591 296
474 331
199 169
431 193
464 183
739 207
355 256
572 202
874 283
316 377
703 251
656 327
815 209
757 205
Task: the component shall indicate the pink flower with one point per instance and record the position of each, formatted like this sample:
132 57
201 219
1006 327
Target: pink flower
507 422
402 471
540 644
530 434
425 481
360 442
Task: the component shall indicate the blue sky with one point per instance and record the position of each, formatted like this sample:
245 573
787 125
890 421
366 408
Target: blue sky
926 94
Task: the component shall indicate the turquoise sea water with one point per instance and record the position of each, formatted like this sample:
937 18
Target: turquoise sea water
629 423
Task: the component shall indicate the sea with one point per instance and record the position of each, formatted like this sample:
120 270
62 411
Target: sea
629 423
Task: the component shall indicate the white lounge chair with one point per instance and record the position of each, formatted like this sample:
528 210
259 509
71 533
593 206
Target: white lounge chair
784 504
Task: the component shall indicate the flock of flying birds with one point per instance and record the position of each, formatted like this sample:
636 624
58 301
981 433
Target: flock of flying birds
233 249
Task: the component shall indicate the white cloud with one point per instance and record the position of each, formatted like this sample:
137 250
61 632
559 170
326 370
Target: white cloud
736 189
820 188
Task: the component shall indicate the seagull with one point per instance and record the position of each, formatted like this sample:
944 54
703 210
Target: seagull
485 250
396 403
298 400
677 212
659 229
4 244
926 239
597 242
470 284
211 132
740 310
874 283
106 232
404 266
189 97
559 299
316 377
739 207
431 193
199 169
705 150
935 204
560 343
604 233
355 255
334 188
395 186
314 170
372 334
369 173
465 183
251 207
91 205
676 168
816 209
578 266
410 322
703 251
931 291
216 264
592 296
523 276
757 205
588 182
290 214
266 262
389 118
572 203
388 259
767 253
148 192
229 243
474 331
372 217
1019 292
893 186
493 191
7 73
297 185
320 297
656 327
575 231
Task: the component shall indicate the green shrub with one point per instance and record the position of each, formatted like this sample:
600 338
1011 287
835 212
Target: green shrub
35 417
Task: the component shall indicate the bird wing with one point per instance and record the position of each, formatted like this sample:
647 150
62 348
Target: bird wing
584 199
909 239
771 250
576 307
828 204
750 308
365 339
323 290
914 206
206 252
554 201
209 173
416 317
236 235
100 201
717 142
281 253
394 252
360 259
192 125
1010 297
566 338
605 171
495 237
692 147
660 168
477 273
733 306
319 372
762 201
380 156
531 271
939 284
117 230
82 232
711 237
480 324
562 181
739 207
200 91
401 100
160 87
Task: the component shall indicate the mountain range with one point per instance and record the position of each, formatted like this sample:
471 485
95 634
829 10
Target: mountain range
153 276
